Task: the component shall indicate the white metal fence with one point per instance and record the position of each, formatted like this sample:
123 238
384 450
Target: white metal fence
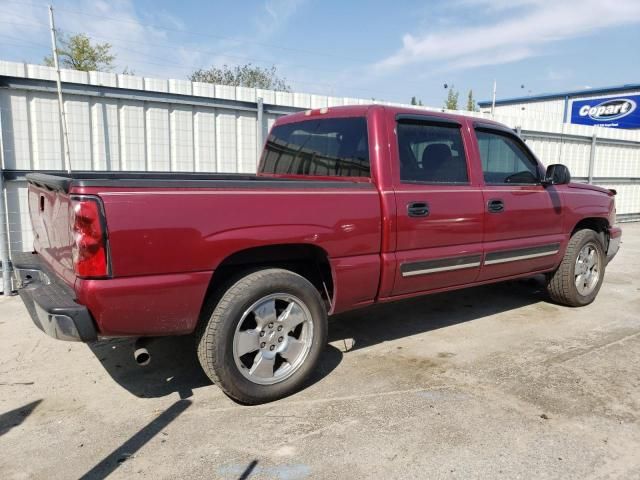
124 122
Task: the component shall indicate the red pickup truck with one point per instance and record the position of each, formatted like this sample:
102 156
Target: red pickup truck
351 206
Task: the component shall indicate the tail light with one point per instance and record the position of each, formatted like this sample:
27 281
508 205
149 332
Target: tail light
613 210
90 257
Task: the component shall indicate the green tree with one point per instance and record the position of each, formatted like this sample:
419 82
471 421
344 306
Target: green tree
471 102
242 76
451 103
415 101
78 53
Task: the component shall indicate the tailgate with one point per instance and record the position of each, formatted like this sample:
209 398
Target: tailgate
51 213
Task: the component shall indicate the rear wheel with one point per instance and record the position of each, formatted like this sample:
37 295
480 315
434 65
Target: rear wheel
264 336
579 277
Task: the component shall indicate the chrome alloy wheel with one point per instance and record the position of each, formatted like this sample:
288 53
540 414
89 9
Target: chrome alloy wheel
273 338
587 269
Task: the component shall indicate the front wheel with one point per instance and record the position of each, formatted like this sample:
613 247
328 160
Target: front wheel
579 277
264 337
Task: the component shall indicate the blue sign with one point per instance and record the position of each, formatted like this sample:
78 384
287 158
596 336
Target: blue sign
615 112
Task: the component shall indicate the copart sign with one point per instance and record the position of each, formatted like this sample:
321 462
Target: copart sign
616 112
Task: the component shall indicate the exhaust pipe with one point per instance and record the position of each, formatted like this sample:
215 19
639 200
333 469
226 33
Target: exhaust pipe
141 354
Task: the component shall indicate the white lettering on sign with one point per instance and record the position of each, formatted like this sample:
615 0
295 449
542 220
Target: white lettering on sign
609 109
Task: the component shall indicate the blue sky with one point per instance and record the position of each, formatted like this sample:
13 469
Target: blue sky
370 49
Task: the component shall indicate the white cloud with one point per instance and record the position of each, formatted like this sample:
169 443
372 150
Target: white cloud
555 74
539 24
276 14
23 22
499 5
152 42
507 55
135 40
242 49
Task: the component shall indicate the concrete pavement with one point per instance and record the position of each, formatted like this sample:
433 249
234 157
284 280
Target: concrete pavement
492 382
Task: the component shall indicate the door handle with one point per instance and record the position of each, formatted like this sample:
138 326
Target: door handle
418 209
495 206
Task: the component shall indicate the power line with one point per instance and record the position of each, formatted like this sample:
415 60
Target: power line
183 32
163 62
25 2
22 42
126 48
23 24
21 46
189 48
209 35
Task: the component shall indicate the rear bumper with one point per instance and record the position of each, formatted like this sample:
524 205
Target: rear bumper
615 237
51 303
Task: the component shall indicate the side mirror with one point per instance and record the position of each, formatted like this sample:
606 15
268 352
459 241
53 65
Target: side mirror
557 174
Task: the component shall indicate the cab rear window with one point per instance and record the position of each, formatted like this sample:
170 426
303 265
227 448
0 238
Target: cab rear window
332 147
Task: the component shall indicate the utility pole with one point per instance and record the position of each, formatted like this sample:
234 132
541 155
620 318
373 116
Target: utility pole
493 102
5 254
63 117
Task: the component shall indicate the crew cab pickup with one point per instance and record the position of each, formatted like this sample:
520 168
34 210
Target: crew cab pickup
351 206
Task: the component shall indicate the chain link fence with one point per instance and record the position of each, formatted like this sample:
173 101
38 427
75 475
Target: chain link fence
129 123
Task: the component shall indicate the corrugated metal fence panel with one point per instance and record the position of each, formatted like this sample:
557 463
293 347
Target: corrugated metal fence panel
132 136
158 136
105 134
573 153
78 113
247 142
16 132
181 139
226 142
204 134
46 135
20 233
627 199
617 161
177 125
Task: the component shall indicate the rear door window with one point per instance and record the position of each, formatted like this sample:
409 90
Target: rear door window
332 147
431 153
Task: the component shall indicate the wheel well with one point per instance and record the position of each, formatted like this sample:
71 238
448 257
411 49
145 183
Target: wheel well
599 225
309 261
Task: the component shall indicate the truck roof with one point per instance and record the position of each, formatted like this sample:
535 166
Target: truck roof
362 110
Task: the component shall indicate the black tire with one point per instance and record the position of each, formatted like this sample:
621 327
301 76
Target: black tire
216 333
561 283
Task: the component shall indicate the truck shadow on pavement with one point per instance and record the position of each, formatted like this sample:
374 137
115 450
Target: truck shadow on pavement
174 365
173 368
390 321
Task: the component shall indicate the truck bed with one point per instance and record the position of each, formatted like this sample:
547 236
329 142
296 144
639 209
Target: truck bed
168 233
65 182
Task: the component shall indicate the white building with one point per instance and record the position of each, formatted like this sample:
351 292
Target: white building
616 107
